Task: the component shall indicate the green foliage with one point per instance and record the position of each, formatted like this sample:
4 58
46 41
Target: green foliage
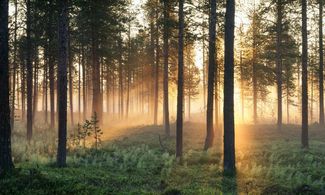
268 162
85 131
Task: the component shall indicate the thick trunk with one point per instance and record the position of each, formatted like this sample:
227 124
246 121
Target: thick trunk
5 130
228 110
279 61
304 97
321 65
62 82
180 83
211 74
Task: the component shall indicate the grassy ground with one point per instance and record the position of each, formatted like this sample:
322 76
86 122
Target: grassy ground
140 160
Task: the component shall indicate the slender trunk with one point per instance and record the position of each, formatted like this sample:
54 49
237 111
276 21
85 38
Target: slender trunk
51 64
254 73
96 104
84 92
29 74
156 71
304 103
5 129
311 96
79 85
35 96
211 74
321 65
216 97
204 69
14 68
242 87
166 65
70 65
279 61
23 91
228 109
121 88
180 86
62 82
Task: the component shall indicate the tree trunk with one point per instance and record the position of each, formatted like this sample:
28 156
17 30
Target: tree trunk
180 83
279 61
51 64
35 96
84 88
5 130
166 67
29 74
14 68
254 72
242 87
70 60
211 74
97 106
62 82
304 98
228 110
321 65
156 71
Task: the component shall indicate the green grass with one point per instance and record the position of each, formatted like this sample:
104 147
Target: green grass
268 162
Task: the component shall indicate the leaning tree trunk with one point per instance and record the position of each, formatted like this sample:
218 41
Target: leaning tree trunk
211 74
321 65
180 83
228 108
304 84
62 82
5 130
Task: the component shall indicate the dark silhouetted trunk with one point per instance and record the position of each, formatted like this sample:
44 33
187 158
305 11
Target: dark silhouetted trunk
96 102
166 67
29 74
5 130
156 70
70 57
228 108
279 61
321 65
14 71
254 71
304 84
180 83
211 74
51 64
62 82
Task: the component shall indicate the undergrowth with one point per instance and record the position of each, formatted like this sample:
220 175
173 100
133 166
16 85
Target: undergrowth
143 163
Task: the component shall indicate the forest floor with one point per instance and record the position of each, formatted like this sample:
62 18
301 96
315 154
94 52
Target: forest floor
140 160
